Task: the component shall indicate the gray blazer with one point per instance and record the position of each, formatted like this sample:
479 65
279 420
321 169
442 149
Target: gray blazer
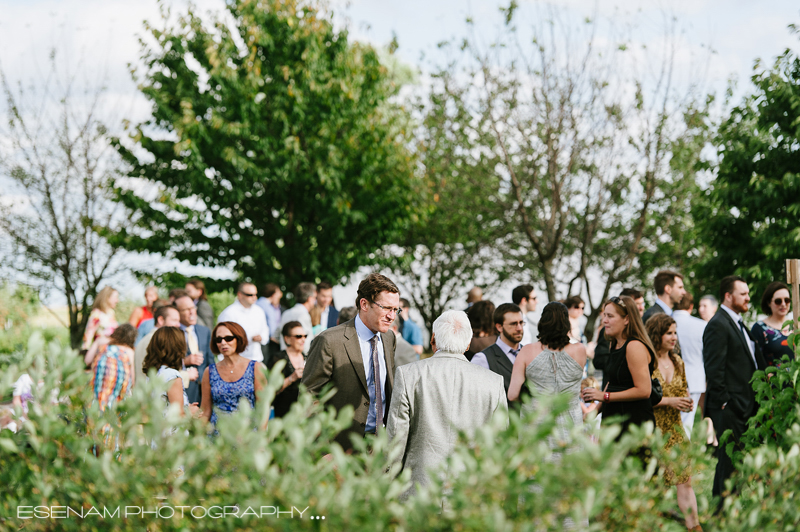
335 358
433 400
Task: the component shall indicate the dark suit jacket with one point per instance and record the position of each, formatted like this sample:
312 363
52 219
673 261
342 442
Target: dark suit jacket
204 343
729 367
335 357
655 309
499 363
333 317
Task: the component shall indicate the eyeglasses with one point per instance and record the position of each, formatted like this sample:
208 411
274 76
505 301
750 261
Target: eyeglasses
389 310
298 336
245 294
785 301
228 339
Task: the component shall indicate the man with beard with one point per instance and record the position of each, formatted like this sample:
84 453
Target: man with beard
730 357
500 356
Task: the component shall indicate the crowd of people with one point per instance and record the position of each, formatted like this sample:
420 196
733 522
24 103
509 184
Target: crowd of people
659 365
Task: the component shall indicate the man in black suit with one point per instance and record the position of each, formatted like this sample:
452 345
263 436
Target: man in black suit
730 359
198 345
500 356
669 291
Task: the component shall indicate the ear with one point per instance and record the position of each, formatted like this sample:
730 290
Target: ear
498 328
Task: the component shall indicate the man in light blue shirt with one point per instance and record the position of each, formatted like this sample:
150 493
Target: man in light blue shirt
411 331
365 337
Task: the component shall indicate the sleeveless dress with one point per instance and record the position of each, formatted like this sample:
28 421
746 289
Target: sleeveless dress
225 395
668 419
553 373
620 379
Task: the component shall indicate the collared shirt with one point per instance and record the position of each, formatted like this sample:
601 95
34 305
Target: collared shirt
479 359
667 310
323 320
298 313
529 330
411 332
690 336
364 337
145 328
737 319
254 322
273 314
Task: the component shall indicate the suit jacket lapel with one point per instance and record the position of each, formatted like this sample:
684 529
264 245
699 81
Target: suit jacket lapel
741 337
389 359
353 350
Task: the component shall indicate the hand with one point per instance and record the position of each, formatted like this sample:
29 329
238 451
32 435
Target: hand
195 411
195 359
297 375
591 394
191 373
257 338
684 404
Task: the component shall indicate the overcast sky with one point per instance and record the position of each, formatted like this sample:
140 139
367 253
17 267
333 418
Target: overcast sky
104 32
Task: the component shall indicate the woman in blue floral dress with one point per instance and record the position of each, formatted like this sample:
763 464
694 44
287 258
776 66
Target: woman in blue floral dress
234 377
769 333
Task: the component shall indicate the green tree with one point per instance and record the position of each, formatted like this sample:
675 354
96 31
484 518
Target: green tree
749 212
275 148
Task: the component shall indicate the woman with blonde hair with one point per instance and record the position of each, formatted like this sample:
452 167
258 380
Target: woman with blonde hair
662 330
102 320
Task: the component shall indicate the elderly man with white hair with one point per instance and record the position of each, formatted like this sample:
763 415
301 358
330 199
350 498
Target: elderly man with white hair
437 397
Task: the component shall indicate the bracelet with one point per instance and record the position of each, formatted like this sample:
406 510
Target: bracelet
606 397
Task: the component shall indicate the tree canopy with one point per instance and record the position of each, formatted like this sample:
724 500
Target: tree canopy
276 147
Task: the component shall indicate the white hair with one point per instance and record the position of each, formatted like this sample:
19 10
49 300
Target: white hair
453 332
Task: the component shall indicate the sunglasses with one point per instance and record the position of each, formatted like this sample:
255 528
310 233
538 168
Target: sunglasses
245 294
228 339
298 336
785 301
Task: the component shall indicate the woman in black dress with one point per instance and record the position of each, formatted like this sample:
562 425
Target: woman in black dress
629 366
295 337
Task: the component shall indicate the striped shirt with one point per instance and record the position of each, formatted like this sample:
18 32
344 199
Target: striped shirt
113 375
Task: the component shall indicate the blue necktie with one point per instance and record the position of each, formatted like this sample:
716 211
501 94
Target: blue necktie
375 368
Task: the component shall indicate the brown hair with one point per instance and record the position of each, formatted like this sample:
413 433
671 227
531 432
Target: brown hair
663 279
125 334
573 302
167 348
316 315
480 316
766 299
200 285
269 289
657 326
102 297
177 293
236 330
635 329
685 303
554 326
162 311
727 284
372 285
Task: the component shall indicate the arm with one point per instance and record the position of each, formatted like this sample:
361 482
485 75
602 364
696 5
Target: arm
518 374
175 394
91 329
637 357
399 419
136 315
205 400
319 366
715 351
88 359
260 384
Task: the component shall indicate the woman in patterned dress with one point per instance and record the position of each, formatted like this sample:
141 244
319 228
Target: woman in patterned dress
670 372
102 320
113 375
769 333
234 377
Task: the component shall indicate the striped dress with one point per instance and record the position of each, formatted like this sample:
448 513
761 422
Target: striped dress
113 375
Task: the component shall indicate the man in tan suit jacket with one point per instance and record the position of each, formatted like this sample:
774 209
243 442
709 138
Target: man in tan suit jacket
437 397
344 356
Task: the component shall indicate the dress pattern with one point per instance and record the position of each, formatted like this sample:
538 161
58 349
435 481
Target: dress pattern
773 343
99 324
552 373
113 375
225 395
668 419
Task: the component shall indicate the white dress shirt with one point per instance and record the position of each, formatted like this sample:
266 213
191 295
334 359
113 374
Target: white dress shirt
529 331
738 319
690 336
323 320
297 313
254 322
479 359
364 337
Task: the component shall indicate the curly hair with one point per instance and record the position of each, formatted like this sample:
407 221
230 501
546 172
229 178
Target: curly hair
657 326
167 348
125 335
554 326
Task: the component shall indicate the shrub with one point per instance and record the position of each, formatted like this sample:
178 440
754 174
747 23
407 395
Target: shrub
220 300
